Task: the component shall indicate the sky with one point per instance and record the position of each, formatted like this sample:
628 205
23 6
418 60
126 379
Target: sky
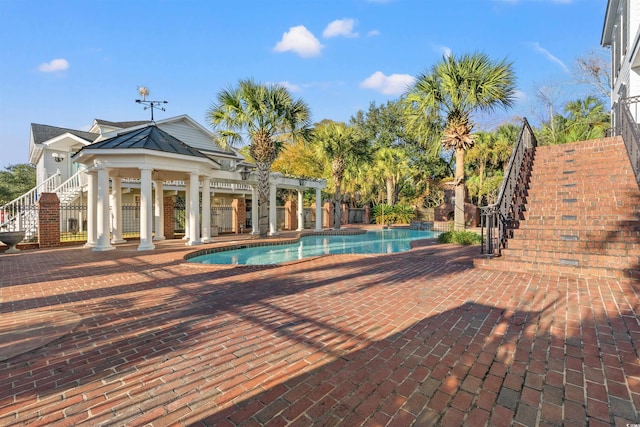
65 63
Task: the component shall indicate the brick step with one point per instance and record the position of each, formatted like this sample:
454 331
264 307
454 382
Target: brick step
611 234
581 219
619 248
514 265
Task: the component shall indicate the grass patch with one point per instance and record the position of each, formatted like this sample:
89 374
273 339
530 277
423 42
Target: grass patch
460 237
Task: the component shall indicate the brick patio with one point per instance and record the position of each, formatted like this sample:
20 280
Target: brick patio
418 338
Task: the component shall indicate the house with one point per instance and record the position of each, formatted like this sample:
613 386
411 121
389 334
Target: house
141 163
621 33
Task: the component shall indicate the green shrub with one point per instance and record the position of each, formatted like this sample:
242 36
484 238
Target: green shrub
460 237
403 214
383 214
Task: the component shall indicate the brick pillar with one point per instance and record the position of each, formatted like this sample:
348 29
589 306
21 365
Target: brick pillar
344 213
327 215
48 220
169 217
366 219
239 215
290 215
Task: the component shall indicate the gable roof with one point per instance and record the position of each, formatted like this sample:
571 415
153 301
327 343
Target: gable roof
121 125
42 133
151 138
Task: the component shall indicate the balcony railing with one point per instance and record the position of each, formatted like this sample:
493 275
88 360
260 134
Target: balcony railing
630 133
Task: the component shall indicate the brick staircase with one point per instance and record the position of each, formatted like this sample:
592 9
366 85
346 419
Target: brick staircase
582 214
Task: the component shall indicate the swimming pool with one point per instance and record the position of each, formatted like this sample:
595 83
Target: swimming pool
372 242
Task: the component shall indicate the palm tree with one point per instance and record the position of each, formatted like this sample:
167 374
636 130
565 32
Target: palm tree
340 144
268 116
452 90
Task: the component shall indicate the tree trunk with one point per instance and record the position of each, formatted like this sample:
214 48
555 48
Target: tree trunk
458 218
337 205
263 198
390 184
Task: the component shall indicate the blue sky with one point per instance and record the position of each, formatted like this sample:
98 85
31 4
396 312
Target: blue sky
64 63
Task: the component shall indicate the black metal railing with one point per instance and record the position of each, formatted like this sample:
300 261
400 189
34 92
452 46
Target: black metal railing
630 133
499 219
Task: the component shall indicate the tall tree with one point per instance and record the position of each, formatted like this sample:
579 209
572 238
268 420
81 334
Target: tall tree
16 180
340 144
266 115
453 89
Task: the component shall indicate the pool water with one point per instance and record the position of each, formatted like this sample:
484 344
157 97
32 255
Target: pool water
372 242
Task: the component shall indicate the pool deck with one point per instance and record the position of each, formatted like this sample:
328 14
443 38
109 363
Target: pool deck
415 338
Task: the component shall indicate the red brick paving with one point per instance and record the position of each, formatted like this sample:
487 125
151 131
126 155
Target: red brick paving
418 338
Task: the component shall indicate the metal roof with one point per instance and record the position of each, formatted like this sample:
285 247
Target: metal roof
42 133
151 138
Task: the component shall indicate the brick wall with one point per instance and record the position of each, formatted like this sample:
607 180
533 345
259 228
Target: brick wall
49 220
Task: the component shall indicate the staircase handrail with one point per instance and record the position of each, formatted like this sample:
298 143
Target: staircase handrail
631 134
496 217
71 183
9 212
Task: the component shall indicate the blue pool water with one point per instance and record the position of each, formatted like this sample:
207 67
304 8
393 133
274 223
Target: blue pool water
371 242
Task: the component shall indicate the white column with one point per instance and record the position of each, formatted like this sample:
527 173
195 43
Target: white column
116 208
254 211
159 210
205 235
146 211
186 210
102 212
92 201
273 211
194 210
300 212
318 210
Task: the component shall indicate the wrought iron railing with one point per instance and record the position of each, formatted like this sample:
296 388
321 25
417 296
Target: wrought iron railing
499 219
630 133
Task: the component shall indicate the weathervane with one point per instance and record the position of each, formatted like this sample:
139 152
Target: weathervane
144 92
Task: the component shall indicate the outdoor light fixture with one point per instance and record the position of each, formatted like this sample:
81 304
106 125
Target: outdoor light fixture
244 173
302 181
57 157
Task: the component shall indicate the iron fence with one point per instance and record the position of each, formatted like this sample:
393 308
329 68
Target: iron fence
222 217
73 223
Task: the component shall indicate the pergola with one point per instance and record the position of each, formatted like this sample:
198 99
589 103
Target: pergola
154 156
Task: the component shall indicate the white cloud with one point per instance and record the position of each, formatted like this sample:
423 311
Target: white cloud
395 84
340 27
443 50
373 33
54 65
536 46
301 41
290 86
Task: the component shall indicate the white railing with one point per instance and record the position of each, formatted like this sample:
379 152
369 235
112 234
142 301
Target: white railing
19 215
69 190
215 185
